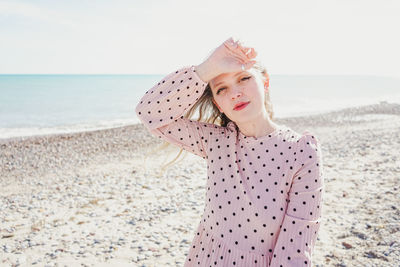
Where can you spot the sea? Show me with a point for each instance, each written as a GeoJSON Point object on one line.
{"type": "Point", "coordinates": [39, 104]}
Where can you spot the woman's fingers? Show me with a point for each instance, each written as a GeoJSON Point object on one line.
{"type": "Point", "coordinates": [243, 55]}
{"type": "Point", "coordinates": [252, 53]}
{"type": "Point", "coordinates": [236, 43]}
{"type": "Point", "coordinates": [231, 43]}
{"type": "Point", "coordinates": [231, 46]}
{"type": "Point", "coordinates": [249, 64]}
{"type": "Point", "coordinates": [238, 56]}
{"type": "Point", "coordinates": [248, 52]}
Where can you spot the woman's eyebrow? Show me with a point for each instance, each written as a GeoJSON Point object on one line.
{"type": "Point", "coordinates": [233, 76]}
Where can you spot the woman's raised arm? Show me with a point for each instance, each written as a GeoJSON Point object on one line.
{"type": "Point", "coordinates": [162, 107]}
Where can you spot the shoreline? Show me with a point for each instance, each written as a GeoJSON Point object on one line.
{"type": "Point", "coordinates": [383, 107]}
{"type": "Point", "coordinates": [89, 198]}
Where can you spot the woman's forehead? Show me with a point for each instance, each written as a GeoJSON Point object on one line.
{"type": "Point", "coordinates": [228, 76]}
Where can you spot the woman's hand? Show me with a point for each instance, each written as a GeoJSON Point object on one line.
{"type": "Point", "coordinates": [228, 57]}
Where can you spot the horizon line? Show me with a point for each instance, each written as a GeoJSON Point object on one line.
{"type": "Point", "coordinates": [153, 74]}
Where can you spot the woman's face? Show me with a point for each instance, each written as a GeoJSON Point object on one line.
{"type": "Point", "coordinates": [247, 86]}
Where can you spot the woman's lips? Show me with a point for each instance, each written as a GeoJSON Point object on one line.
{"type": "Point", "coordinates": [242, 106]}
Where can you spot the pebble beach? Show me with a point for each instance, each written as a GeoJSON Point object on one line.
{"type": "Point", "coordinates": [94, 199]}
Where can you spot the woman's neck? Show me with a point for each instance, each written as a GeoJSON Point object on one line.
{"type": "Point", "coordinates": [257, 128]}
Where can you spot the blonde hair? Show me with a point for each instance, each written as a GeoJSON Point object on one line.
{"type": "Point", "coordinates": [209, 113]}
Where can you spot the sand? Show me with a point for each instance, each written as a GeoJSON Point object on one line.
{"type": "Point", "coordinates": [90, 199]}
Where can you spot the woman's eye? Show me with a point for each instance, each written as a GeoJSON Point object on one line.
{"type": "Point", "coordinates": [220, 90]}
{"type": "Point", "coordinates": [246, 78]}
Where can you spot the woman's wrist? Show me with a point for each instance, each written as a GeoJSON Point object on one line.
{"type": "Point", "coordinates": [204, 72]}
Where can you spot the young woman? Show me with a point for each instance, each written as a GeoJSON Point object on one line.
{"type": "Point", "coordinates": [264, 184]}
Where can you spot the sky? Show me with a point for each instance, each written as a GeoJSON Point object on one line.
{"type": "Point", "coordinates": [292, 37]}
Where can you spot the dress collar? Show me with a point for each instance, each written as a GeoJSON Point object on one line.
{"type": "Point", "coordinates": [251, 139]}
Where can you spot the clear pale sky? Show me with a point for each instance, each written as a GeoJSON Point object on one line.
{"type": "Point", "coordinates": [157, 36]}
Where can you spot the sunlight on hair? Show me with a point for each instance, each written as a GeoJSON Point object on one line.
{"type": "Point", "coordinates": [204, 110]}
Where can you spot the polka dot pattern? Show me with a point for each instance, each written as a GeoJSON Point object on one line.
{"type": "Point", "coordinates": [263, 195]}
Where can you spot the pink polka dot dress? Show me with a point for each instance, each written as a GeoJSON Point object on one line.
{"type": "Point", "coordinates": [263, 195]}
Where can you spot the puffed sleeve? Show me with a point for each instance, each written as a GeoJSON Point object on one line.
{"type": "Point", "coordinates": [162, 107]}
{"type": "Point", "coordinates": [298, 233]}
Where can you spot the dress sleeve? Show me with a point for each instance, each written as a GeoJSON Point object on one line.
{"type": "Point", "coordinates": [298, 232]}
{"type": "Point", "coordinates": [162, 107]}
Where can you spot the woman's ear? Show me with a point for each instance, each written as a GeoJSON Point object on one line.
{"type": "Point", "coordinates": [213, 100]}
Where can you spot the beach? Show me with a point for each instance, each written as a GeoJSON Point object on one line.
{"type": "Point", "coordinates": [91, 199]}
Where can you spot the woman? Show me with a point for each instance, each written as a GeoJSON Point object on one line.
{"type": "Point", "coordinates": [265, 182]}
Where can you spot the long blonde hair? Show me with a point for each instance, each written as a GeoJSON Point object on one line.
{"type": "Point", "coordinates": [209, 113]}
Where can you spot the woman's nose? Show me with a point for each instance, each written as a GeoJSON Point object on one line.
{"type": "Point", "coordinates": [237, 93]}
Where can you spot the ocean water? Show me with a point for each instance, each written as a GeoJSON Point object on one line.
{"type": "Point", "coordinates": [46, 104]}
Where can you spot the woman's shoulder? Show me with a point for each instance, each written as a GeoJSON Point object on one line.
{"type": "Point", "coordinates": [305, 144]}
{"type": "Point", "coordinates": [297, 136]}
{"type": "Point", "coordinates": [305, 140]}
{"type": "Point", "coordinates": [309, 138]}
{"type": "Point", "coordinates": [309, 147]}
{"type": "Point", "coordinates": [288, 134]}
